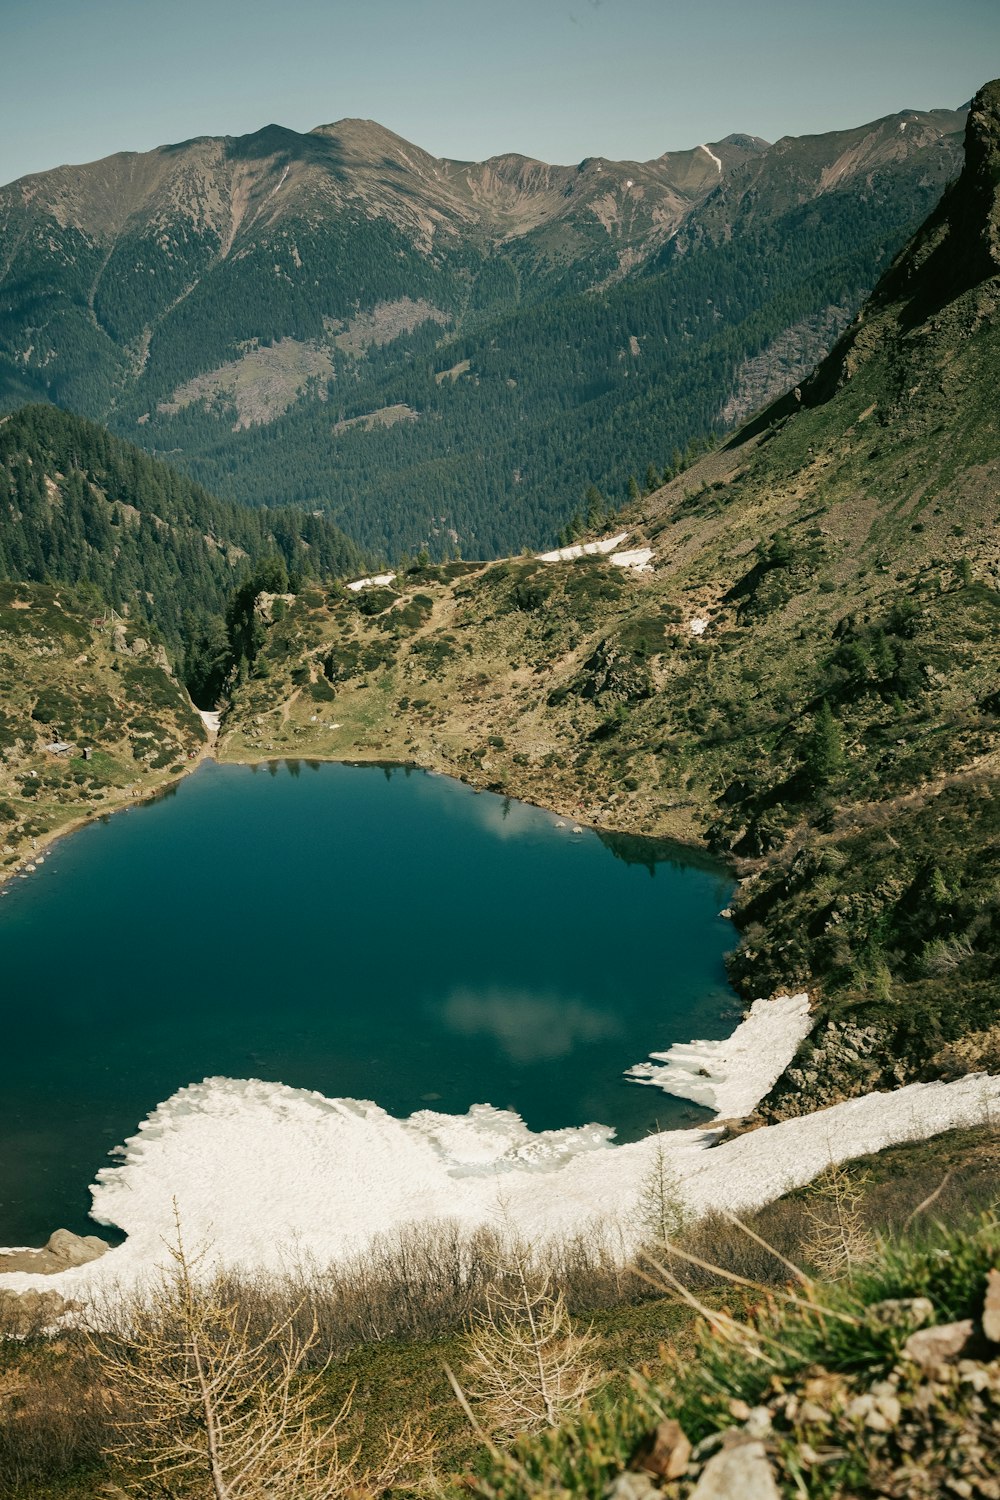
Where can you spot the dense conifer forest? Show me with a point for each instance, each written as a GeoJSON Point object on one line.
{"type": "Point", "coordinates": [80, 507]}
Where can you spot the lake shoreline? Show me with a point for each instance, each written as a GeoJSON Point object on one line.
{"type": "Point", "coordinates": [679, 832]}
{"type": "Point", "coordinates": [301, 822]}
{"type": "Point", "coordinates": [25, 860]}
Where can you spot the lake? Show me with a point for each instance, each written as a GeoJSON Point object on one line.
{"type": "Point", "coordinates": [365, 931]}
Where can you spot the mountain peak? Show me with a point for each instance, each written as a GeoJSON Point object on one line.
{"type": "Point", "coordinates": [364, 137]}
{"type": "Point", "coordinates": [959, 247]}
{"type": "Point", "coordinates": [953, 259]}
{"type": "Point", "coordinates": [751, 143]}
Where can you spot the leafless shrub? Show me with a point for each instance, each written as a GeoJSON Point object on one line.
{"type": "Point", "coordinates": [200, 1402]}
{"type": "Point", "coordinates": [840, 1240]}
{"type": "Point", "coordinates": [53, 1417]}
{"type": "Point", "coordinates": [526, 1364]}
{"type": "Point", "coordinates": [943, 955]}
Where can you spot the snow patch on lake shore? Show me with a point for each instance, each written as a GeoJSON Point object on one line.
{"type": "Point", "coordinates": [734, 1075]}
{"type": "Point", "coordinates": [273, 1178]}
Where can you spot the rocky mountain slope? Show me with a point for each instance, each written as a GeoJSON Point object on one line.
{"type": "Point", "coordinates": [794, 659]}
{"type": "Point", "coordinates": [262, 309]}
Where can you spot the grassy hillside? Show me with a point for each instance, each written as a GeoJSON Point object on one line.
{"type": "Point", "coordinates": [833, 727]}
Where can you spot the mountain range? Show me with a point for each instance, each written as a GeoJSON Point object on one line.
{"type": "Point", "coordinates": [437, 352]}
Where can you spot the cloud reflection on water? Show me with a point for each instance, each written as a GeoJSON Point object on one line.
{"type": "Point", "coordinates": [527, 1026]}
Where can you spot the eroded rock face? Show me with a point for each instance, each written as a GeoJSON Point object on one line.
{"type": "Point", "coordinates": [124, 643]}
{"type": "Point", "coordinates": [612, 673]}
{"type": "Point", "coordinates": [62, 1251]}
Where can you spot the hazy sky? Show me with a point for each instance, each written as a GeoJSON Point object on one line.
{"type": "Point", "coordinates": [557, 79]}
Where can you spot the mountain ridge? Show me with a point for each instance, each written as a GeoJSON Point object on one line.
{"type": "Point", "coordinates": [201, 298]}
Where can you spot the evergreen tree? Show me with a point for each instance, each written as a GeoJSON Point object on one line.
{"type": "Point", "coordinates": [823, 752]}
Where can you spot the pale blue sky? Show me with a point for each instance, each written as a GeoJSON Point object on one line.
{"type": "Point", "coordinates": [557, 79]}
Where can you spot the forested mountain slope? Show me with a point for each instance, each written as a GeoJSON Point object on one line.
{"type": "Point", "coordinates": [807, 677]}
{"type": "Point", "coordinates": [443, 352]}
{"type": "Point", "coordinates": [80, 507]}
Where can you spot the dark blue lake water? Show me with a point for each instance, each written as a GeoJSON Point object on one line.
{"type": "Point", "coordinates": [378, 934]}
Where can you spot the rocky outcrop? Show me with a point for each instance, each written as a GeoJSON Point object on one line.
{"type": "Point", "coordinates": [928, 1425]}
{"type": "Point", "coordinates": [62, 1251]}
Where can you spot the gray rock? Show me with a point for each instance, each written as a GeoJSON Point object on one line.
{"type": "Point", "coordinates": [740, 1473]}
{"type": "Point", "coordinates": [758, 1423]}
{"type": "Point", "coordinates": [76, 1249]}
{"type": "Point", "coordinates": [930, 1347]}
{"type": "Point", "coordinates": [631, 1486]}
{"type": "Point", "coordinates": [897, 1312]}
{"type": "Point", "coordinates": [63, 1250]}
{"type": "Point", "coordinates": [27, 1314]}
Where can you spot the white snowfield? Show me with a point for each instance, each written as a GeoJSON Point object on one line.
{"type": "Point", "coordinates": [732, 1076]}
{"type": "Point", "coordinates": [276, 1178]}
{"type": "Point", "coordinates": [379, 580]}
{"type": "Point", "coordinates": [638, 559]}
{"type": "Point", "coordinates": [584, 549]}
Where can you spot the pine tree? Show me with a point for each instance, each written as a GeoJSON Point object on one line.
{"type": "Point", "coordinates": [204, 1406]}
{"type": "Point", "coordinates": [823, 752]}
{"type": "Point", "coordinates": [662, 1210]}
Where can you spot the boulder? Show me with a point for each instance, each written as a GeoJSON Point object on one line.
{"type": "Point", "coordinates": [930, 1347]}
{"type": "Point", "coordinates": [664, 1451]}
{"type": "Point", "coordinates": [742, 1470]}
{"type": "Point", "coordinates": [63, 1250]}
{"type": "Point", "coordinates": [26, 1314]}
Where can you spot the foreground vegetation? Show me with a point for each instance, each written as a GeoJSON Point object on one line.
{"type": "Point", "coordinates": [378, 1334]}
